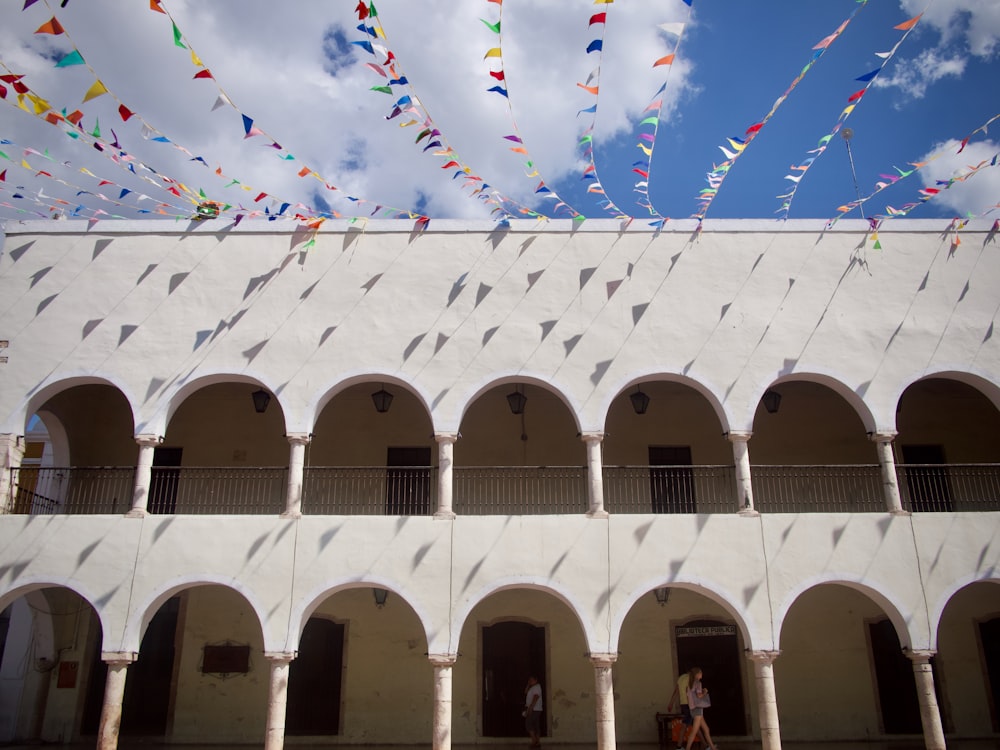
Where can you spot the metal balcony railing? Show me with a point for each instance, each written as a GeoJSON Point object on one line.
{"type": "Point", "coordinates": [369, 490]}
{"type": "Point", "coordinates": [502, 490]}
{"type": "Point", "coordinates": [855, 488]}
{"type": "Point", "coordinates": [670, 489]}
{"type": "Point", "coordinates": [520, 490]}
{"type": "Point", "coordinates": [77, 490]}
{"type": "Point", "coordinates": [949, 487]}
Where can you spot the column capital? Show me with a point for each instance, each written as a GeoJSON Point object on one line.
{"type": "Point", "coordinates": [442, 660]}
{"type": "Point", "coordinates": [592, 435]}
{"type": "Point", "coordinates": [299, 438]}
{"type": "Point", "coordinates": [602, 660]}
{"type": "Point", "coordinates": [763, 656]}
{"type": "Point", "coordinates": [920, 655]}
{"type": "Point", "coordinates": [119, 658]}
{"type": "Point", "coordinates": [149, 439]}
{"type": "Point", "coordinates": [882, 436]}
{"type": "Point", "coordinates": [280, 656]}
{"type": "Point", "coordinates": [447, 437]}
{"type": "Point", "coordinates": [739, 436]}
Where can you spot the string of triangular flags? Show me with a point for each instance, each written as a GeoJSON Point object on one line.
{"type": "Point", "coordinates": [926, 193]}
{"type": "Point", "coordinates": [649, 126]}
{"type": "Point", "coordinates": [389, 67]}
{"type": "Point", "coordinates": [737, 146]}
{"type": "Point", "coordinates": [495, 57]}
{"type": "Point", "coordinates": [252, 129]}
{"type": "Point", "coordinates": [586, 139]}
{"type": "Point", "coordinates": [852, 102]}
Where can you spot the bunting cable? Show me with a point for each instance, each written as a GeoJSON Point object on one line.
{"type": "Point", "coordinates": [412, 104]}
{"type": "Point", "coordinates": [149, 132]}
{"type": "Point", "coordinates": [78, 188]}
{"type": "Point", "coordinates": [252, 130]}
{"type": "Point", "coordinates": [889, 180]}
{"type": "Point", "coordinates": [719, 172]}
{"type": "Point", "coordinates": [496, 53]}
{"type": "Point", "coordinates": [70, 124]}
{"type": "Point", "coordinates": [852, 102]}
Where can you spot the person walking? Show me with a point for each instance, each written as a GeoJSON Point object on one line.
{"type": "Point", "coordinates": [533, 711]}
{"type": "Point", "coordinates": [698, 701]}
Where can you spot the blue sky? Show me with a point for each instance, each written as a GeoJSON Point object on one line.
{"type": "Point", "coordinates": [307, 88]}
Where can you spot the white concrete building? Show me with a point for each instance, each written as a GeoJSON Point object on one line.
{"type": "Point", "coordinates": [610, 454]}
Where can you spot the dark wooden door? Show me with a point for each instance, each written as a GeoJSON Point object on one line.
{"type": "Point", "coordinates": [671, 480]}
{"type": "Point", "coordinates": [989, 636]}
{"type": "Point", "coordinates": [512, 652]}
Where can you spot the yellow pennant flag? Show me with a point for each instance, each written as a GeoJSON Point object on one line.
{"type": "Point", "coordinates": [95, 91]}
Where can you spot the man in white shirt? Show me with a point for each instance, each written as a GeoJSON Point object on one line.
{"type": "Point", "coordinates": [533, 711]}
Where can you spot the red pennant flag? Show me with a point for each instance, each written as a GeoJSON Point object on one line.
{"type": "Point", "coordinates": [51, 26]}
{"type": "Point", "coordinates": [3, 176]}
{"type": "Point", "coordinates": [204, 73]}
{"type": "Point", "coordinates": [125, 112]}
{"type": "Point", "coordinates": [856, 95]}
{"type": "Point", "coordinates": [598, 18]}
{"type": "Point", "coordinates": [362, 10]}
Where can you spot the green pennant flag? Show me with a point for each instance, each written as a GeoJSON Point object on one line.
{"type": "Point", "coordinates": [177, 37]}
{"type": "Point", "coordinates": [97, 129]}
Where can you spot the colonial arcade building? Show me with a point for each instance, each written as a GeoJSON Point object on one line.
{"type": "Point", "coordinates": [257, 490]}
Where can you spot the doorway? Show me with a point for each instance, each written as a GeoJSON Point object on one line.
{"type": "Point", "coordinates": [714, 647]}
{"type": "Point", "coordinates": [897, 689]}
{"type": "Point", "coordinates": [927, 478]}
{"type": "Point", "coordinates": [989, 638]}
{"type": "Point", "coordinates": [166, 475]}
{"type": "Point", "coordinates": [408, 481]}
{"type": "Point", "coordinates": [314, 678]}
{"type": "Point", "coordinates": [512, 651]}
{"type": "Point", "coordinates": [671, 479]}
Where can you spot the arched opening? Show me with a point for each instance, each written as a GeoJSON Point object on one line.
{"type": "Point", "coordinates": [519, 455]}
{"type": "Point", "coordinates": [372, 453]}
{"type": "Point", "coordinates": [666, 453]}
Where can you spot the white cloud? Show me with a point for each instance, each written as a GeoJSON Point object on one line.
{"type": "Point", "coordinates": [914, 77]}
{"type": "Point", "coordinates": [975, 23]}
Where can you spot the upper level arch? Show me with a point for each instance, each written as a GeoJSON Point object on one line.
{"type": "Point", "coordinates": [625, 386]}
{"type": "Point", "coordinates": [474, 391]}
{"type": "Point", "coordinates": [312, 409]}
{"type": "Point", "coordinates": [851, 397]}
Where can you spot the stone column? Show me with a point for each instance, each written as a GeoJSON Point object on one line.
{"type": "Point", "coordinates": [441, 739]}
{"type": "Point", "coordinates": [767, 702]}
{"type": "Point", "coordinates": [446, 477]}
{"type": "Point", "coordinates": [604, 695]}
{"type": "Point", "coordinates": [741, 461]}
{"type": "Point", "coordinates": [930, 716]}
{"type": "Point", "coordinates": [296, 467]}
{"type": "Point", "coordinates": [887, 463]}
{"type": "Point", "coordinates": [595, 474]}
{"type": "Point", "coordinates": [277, 699]}
{"type": "Point", "coordinates": [11, 455]}
{"type": "Point", "coordinates": [143, 475]}
{"type": "Point", "coordinates": [114, 693]}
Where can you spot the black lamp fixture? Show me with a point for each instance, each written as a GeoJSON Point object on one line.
{"type": "Point", "coordinates": [382, 399]}
{"type": "Point", "coordinates": [640, 401]}
{"type": "Point", "coordinates": [261, 399]}
{"type": "Point", "coordinates": [772, 400]}
{"type": "Point", "coordinates": [662, 595]}
{"type": "Point", "coordinates": [516, 400]}
{"type": "Point", "coordinates": [380, 596]}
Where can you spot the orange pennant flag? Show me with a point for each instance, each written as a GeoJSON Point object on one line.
{"type": "Point", "coordinates": [907, 25]}
{"type": "Point", "coordinates": [51, 27]}
{"type": "Point", "coordinates": [155, 5]}
{"type": "Point", "coordinates": [665, 60]}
